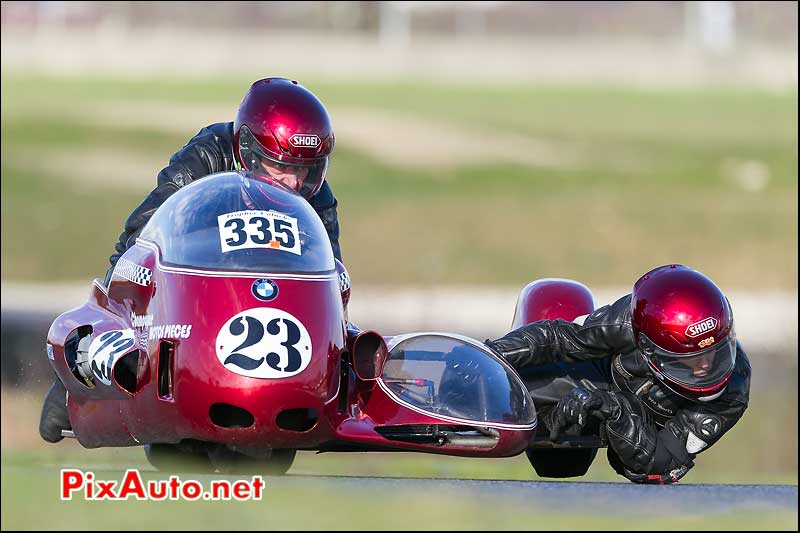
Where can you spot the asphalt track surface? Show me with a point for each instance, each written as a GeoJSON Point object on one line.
{"type": "Point", "coordinates": [645, 500]}
{"type": "Point", "coordinates": [563, 495]}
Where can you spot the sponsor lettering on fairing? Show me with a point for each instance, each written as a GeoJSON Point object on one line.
{"type": "Point", "coordinates": [171, 331]}
{"type": "Point", "coordinates": [141, 321]}
{"type": "Point", "coordinates": [85, 485]}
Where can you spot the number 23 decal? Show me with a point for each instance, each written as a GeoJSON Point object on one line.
{"type": "Point", "coordinates": [258, 229]}
{"type": "Point", "coordinates": [264, 343]}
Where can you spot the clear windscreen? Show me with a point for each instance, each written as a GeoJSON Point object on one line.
{"type": "Point", "coordinates": [240, 222]}
{"type": "Point", "coordinates": [448, 376]}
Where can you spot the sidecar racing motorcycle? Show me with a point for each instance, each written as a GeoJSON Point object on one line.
{"type": "Point", "coordinates": [221, 340]}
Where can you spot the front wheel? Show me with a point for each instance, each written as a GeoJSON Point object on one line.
{"type": "Point", "coordinates": [227, 461]}
{"type": "Point", "coordinates": [561, 462]}
{"type": "Point", "coordinates": [177, 458]}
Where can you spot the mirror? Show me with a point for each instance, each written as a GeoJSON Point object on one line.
{"type": "Point", "coordinates": [369, 355]}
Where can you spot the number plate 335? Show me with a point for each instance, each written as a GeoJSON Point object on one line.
{"type": "Point", "coordinates": [258, 229]}
{"type": "Point", "coordinates": [264, 343]}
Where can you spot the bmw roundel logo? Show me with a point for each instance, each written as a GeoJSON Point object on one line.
{"type": "Point", "coordinates": [265, 289]}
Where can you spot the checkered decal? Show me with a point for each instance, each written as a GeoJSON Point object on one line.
{"type": "Point", "coordinates": [143, 340]}
{"type": "Point", "coordinates": [344, 281]}
{"type": "Point", "coordinates": [133, 272]}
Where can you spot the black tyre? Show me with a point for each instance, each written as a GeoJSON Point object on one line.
{"type": "Point", "coordinates": [561, 462]}
{"type": "Point", "coordinates": [177, 458]}
{"type": "Point", "coordinates": [227, 461]}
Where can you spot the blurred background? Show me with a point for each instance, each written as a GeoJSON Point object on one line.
{"type": "Point", "coordinates": [480, 146]}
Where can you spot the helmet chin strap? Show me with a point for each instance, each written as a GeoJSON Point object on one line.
{"type": "Point", "coordinates": [667, 384]}
{"type": "Point", "coordinates": [713, 396]}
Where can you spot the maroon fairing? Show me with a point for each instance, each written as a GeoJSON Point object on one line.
{"type": "Point", "coordinates": [110, 416]}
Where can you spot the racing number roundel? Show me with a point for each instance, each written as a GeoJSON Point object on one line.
{"type": "Point", "coordinates": [264, 343]}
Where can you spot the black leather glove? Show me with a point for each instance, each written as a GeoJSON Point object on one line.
{"type": "Point", "coordinates": [641, 452]}
{"type": "Point", "coordinates": [673, 476]}
{"type": "Point", "coordinates": [577, 406]}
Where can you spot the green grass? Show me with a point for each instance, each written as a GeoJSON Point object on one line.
{"type": "Point", "coordinates": [57, 232]}
{"type": "Point", "coordinates": [651, 183]}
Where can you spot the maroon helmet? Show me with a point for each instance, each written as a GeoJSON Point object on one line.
{"type": "Point", "coordinates": [683, 326]}
{"type": "Point", "coordinates": [284, 131]}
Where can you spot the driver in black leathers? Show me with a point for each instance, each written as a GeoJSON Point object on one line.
{"type": "Point", "coordinates": [594, 373]}
{"type": "Point", "coordinates": [282, 130]}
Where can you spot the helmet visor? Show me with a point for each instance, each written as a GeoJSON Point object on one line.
{"type": "Point", "coordinates": [697, 370]}
{"type": "Point", "coordinates": [305, 178]}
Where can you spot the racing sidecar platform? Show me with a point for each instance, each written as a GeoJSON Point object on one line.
{"type": "Point", "coordinates": [222, 333]}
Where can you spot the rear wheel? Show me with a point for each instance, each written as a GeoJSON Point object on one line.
{"type": "Point", "coordinates": [561, 462]}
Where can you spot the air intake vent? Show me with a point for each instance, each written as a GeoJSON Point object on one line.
{"type": "Point", "coordinates": [80, 367]}
{"type": "Point", "coordinates": [229, 416]}
{"type": "Point", "coordinates": [166, 356]}
{"type": "Point", "coordinates": [125, 371]}
{"type": "Point", "coordinates": [297, 419]}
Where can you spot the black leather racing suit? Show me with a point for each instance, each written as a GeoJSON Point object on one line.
{"type": "Point", "coordinates": [208, 152]}
{"type": "Point", "coordinates": [658, 433]}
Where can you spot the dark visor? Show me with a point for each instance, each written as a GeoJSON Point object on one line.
{"type": "Point", "coordinates": [305, 178]}
{"type": "Point", "coordinates": [696, 370]}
